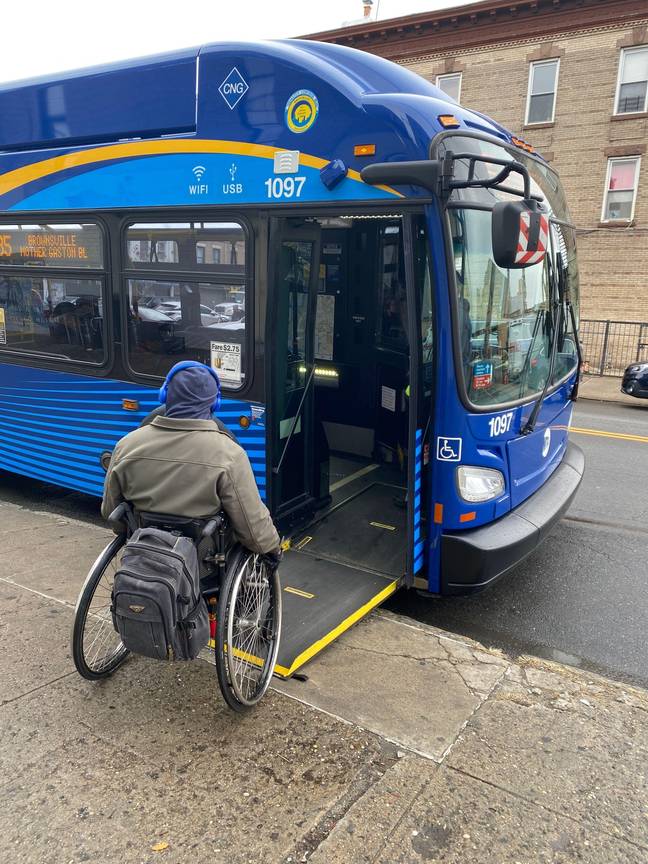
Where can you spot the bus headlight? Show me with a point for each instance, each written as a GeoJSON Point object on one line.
{"type": "Point", "coordinates": [479, 484]}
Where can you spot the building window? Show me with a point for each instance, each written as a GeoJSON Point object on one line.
{"type": "Point", "coordinates": [450, 84]}
{"type": "Point", "coordinates": [621, 189]}
{"type": "Point", "coordinates": [541, 97]}
{"type": "Point", "coordinates": [632, 89]}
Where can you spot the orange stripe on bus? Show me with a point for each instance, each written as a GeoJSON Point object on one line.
{"type": "Point", "coordinates": [438, 514]}
{"type": "Point", "coordinates": [468, 517]}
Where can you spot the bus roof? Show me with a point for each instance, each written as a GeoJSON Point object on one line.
{"type": "Point", "coordinates": [327, 102]}
{"type": "Point", "coordinates": [169, 93]}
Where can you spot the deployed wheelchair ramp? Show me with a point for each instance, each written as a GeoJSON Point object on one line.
{"type": "Point", "coordinates": [347, 562]}
{"type": "Point", "coordinates": [321, 599]}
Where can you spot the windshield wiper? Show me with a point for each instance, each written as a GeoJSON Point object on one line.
{"type": "Point", "coordinates": [579, 353]}
{"type": "Point", "coordinates": [524, 374]}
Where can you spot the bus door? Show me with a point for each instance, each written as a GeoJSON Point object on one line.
{"type": "Point", "coordinates": [420, 325]}
{"type": "Point", "coordinates": [294, 271]}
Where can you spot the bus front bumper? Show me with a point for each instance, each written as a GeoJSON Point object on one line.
{"type": "Point", "coordinates": [474, 559]}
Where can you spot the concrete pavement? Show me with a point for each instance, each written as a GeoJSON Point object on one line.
{"type": "Point", "coordinates": [605, 388]}
{"type": "Point", "coordinates": [404, 745]}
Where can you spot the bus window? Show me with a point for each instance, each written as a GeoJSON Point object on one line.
{"type": "Point", "coordinates": [392, 302]}
{"type": "Point", "coordinates": [62, 317]}
{"type": "Point", "coordinates": [200, 317]}
{"type": "Point", "coordinates": [46, 312]}
{"type": "Point", "coordinates": [218, 246]}
{"type": "Point", "coordinates": [567, 353]}
{"type": "Point", "coordinates": [503, 316]}
{"type": "Point", "coordinates": [424, 286]}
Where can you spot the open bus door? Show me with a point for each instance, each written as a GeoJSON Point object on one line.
{"type": "Point", "coordinates": [334, 573]}
{"type": "Point", "coordinates": [294, 268]}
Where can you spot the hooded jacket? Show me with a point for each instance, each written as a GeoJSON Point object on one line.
{"type": "Point", "coordinates": [191, 468]}
{"type": "Point", "coordinates": [185, 464]}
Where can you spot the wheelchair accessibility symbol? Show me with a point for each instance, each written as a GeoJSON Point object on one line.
{"type": "Point", "coordinates": [449, 449]}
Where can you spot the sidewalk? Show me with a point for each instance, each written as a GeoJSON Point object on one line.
{"type": "Point", "coordinates": [404, 745]}
{"type": "Point", "coordinates": [605, 389]}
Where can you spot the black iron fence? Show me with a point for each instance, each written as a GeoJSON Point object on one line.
{"type": "Point", "coordinates": [609, 346]}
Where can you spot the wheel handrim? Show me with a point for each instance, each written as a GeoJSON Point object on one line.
{"type": "Point", "coordinates": [101, 644]}
{"type": "Point", "coordinates": [253, 625]}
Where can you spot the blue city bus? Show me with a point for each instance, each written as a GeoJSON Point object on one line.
{"type": "Point", "coordinates": [323, 227]}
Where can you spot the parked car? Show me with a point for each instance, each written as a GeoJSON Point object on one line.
{"type": "Point", "coordinates": [230, 311]}
{"type": "Point", "coordinates": [154, 331]}
{"type": "Point", "coordinates": [635, 380]}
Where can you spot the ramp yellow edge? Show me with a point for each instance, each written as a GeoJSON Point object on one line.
{"type": "Point", "coordinates": [348, 622]}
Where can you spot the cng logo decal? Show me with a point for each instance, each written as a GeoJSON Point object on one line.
{"type": "Point", "coordinates": [301, 111]}
{"type": "Point", "coordinates": [233, 88]}
{"type": "Point", "coordinates": [546, 444]}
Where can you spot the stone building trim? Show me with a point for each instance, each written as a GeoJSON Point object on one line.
{"type": "Point", "coordinates": [546, 51]}
{"type": "Point", "coordinates": [624, 150]}
{"type": "Point", "coordinates": [639, 36]}
{"type": "Point", "coordinates": [639, 116]}
{"type": "Point", "coordinates": [483, 25]}
{"type": "Point", "coordinates": [516, 43]}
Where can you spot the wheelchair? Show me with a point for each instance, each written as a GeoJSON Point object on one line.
{"type": "Point", "coordinates": [241, 589]}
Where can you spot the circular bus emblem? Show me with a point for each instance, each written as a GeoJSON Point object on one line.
{"type": "Point", "coordinates": [301, 111]}
{"type": "Point", "coordinates": [547, 442]}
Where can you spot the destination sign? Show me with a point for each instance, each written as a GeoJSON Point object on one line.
{"type": "Point", "coordinates": [51, 245]}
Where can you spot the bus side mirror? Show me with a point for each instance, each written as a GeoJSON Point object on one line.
{"type": "Point", "coordinates": [520, 233]}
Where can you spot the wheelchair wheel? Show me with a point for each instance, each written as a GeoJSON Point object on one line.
{"type": "Point", "coordinates": [97, 648]}
{"type": "Point", "coordinates": [248, 629]}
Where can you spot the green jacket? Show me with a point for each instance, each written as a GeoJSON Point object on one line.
{"type": "Point", "coordinates": [189, 468]}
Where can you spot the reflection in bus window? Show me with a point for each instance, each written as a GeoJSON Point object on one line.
{"type": "Point", "coordinates": [201, 317]}
{"type": "Point", "coordinates": [423, 277]}
{"type": "Point", "coordinates": [187, 246]}
{"type": "Point", "coordinates": [392, 297]}
{"type": "Point", "coordinates": [172, 321]}
{"type": "Point", "coordinates": [60, 317]}
{"type": "Point", "coordinates": [503, 316]}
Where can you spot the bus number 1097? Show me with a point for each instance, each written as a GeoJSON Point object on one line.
{"type": "Point", "coordinates": [284, 187]}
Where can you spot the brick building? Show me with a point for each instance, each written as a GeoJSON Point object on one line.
{"type": "Point", "coordinates": [570, 77]}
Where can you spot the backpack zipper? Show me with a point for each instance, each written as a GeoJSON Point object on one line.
{"type": "Point", "coordinates": [139, 544]}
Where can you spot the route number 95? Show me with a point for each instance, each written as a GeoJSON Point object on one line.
{"type": "Point", "coordinates": [284, 187]}
{"type": "Point", "coordinates": [500, 424]}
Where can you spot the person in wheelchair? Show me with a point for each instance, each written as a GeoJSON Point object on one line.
{"type": "Point", "coordinates": [183, 464]}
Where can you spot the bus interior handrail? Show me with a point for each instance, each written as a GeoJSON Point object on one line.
{"type": "Point", "coordinates": [293, 426]}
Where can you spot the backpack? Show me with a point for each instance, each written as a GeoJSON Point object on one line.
{"type": "Point", "coordinates": [157, 607]}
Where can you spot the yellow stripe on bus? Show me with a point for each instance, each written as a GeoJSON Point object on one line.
{"type": "Point", "coordinates": [45, 168]}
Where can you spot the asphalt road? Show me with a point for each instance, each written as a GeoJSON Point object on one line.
{"type": "Point", "coordinates": [581, 598]}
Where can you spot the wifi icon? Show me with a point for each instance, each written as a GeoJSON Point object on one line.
{"type": "Point", "coordinates": [198, 172]}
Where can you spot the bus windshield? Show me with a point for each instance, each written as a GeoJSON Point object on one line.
{"type": "Point", "coordinates": [506, 318]}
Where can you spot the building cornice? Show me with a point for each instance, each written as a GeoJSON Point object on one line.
{"type": "Point", "coordinates": [451, 50]}
{"type": "Point", "coordinates": [482, 25]}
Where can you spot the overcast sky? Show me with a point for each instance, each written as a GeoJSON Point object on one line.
{"type": "Point", "coordinates": [41, 36]}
